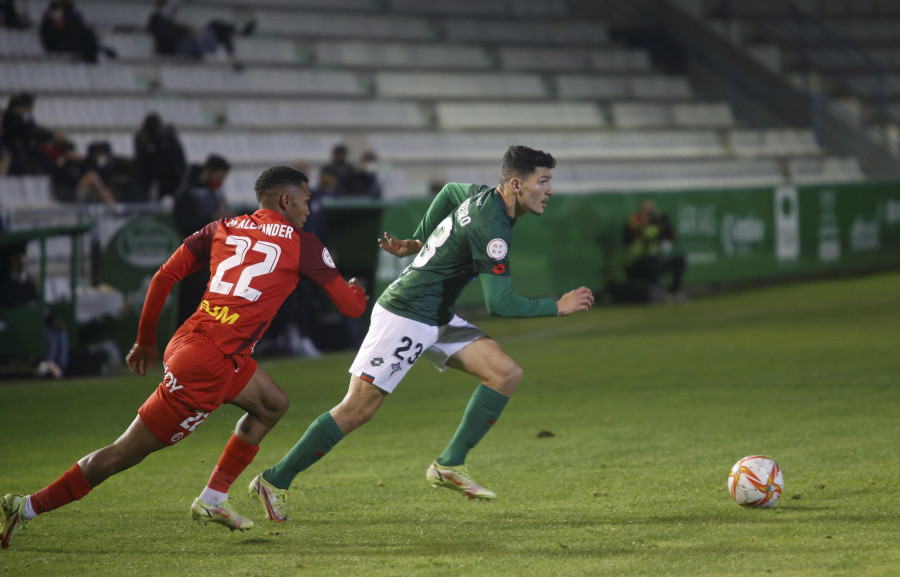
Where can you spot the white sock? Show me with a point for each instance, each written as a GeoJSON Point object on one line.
{"type": "Point", "coordinates": [212, 497]}
{"type": "Point", "coordinates": [28, 511]}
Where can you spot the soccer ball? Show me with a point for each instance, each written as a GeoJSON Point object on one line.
{"type": "Point", "coordinates": [755, 481]}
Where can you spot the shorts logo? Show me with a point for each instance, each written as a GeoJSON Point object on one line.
{"type": "Point", "coordinates": [377, 362]}
{"type": "Point", "coordinates": [177, 437]}
{"type": "Point", "coordinates": [170, 382]}
{"type": "Point", "coordinates": [497, 249]}
{"type": "Point", "coordinates": [394, 368]}
{"type": "Point", "coordinates": [326, 258]}
{"type": "Point", "coordinates": [499, 268]}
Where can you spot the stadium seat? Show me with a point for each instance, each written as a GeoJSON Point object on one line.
{"type": "Point", "coordinates": [702, 115]}
{"type": "Point", "coordinates": [825, 170]}
{"type": "Point", "coordinates": [458, 85]}
{"type": "Point", "coordinates": [564, 32]}
{"type": "Point", "coordinates": [399, 55]}
{"type": "Point", "coordinates": [324, 113]}
{"type": "Point", "coordinates": [453, 115]}
{"type": "Point", "coordinates": [769, 141]}
{"type": "Point", "coordinates": [19, 43]}
{"type": "Point", "coordinates": [341, 25]}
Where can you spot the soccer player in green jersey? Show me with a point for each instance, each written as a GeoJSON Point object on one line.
{"type": "Point", "coordinates": [466, 233]}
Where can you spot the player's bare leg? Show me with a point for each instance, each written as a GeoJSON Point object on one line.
{"type": "Point", "coordinates": [499, 375]}
{"type": "Point", "coordinates": [128, 450]}
{"type": "Point", "coordinates": [357, 407]}
{"type": "Point", "coordinates": [265, 403]}
{"type": "Point", "coordinates": [486, 360]}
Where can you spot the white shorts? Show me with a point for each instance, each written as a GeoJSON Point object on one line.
{"type": "Point", "coordinates": [394, 343]}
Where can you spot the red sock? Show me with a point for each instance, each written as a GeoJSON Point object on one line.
{"type": "Point", "coordinates": [70, 487]}
{"type": "Point", "coordinates": [235, 458]}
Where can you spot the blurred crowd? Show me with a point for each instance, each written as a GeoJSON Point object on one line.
{"type": "Point", "coordinates": [158, 168]}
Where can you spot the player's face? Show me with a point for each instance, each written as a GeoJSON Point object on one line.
{"type": "Point", "coordinates": [535, 191]}
{"type": "Point", "coordinates": [296, 199]}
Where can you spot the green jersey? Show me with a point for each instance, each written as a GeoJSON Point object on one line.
{"type": "Point", "coordinates": [467, 234]}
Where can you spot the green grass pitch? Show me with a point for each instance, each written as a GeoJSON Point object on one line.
{"type": "Point", "coordinates": [649, 407]}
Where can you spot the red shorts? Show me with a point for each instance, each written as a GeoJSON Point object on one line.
{"type": "Point", "coordinates": [198, 379]}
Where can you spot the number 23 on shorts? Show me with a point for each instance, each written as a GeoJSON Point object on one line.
{"type": "Point", "coordinates": [405, 347]}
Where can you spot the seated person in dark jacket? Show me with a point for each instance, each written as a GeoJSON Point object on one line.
{"type": "Point", "coordinates": [116, 171]}
{"type": "Point", "coordinates": [75, 180]}
{"type": "Point", "coordinates": [175, 38]}
{"type": "Point", "coordinates": [63, 29]}
{"type": "Point", "coordinates": [18, 289]}
{"type": "Point", "coordinates": [26, 140]}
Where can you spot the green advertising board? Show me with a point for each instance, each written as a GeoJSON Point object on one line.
{"type": "Point", "coordinates": [728, 235]}
{"type": "Point", "coordinates": [132, 252]}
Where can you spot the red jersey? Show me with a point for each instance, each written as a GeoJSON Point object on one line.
{"type": "Point", "coordinates": [255, 261]}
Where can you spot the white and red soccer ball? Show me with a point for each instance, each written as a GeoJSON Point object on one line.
{"type": "Point", "coordinates": [755, 481]}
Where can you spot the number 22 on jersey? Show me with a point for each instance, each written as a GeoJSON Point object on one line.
{"type": "Point", "coordinates": [242, 244]}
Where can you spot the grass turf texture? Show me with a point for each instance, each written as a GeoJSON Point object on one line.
{"type": "Point", "coordinates": [650, 407]}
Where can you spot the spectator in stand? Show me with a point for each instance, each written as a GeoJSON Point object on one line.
{"type": "Point", "coordinates": [343, 170]}
{"type": "Point", "coordinates": [316, 222]}
{"type": "Point", "coordinates": [74, 180]}
{"type": "Point", "coordinates": [5, 154]}
{"type": "Point", "coordinates": [201, 198]}
{"type": "Point", "coordinates": [365, 179]}
{"type": "Point", "coordinates": [117, 172]}
{"type": "Point", "coordinates": [18, 288]}
{"type": "Point", "coordinates": [11, 16]}
{"type": "Point", "coordinates": [648, 238]}
{"type": "Point", "coordinates": [63, 29]}
{"type": "Point", "coordinates": [159, 161]}
{"type": "Point", "coordinates": [30, 144]}
{"type": "Point", "coordinates": [174, 38]}
{"type": "Point", "coordinates": [199, 201]}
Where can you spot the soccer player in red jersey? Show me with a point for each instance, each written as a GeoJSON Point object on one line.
{"type": "Point", "coordinates": [255, 261]}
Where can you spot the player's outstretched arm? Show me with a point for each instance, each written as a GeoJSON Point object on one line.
{"type": "Point", "coordinates": [580, 299]}
{"type": "Point", "coordinates": [349, 296]}
{"type": "Point", "coordinates": [140, 358]}
{"type": "Point", "coordinates": [399, 247]}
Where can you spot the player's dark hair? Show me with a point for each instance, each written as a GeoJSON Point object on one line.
{"type": "Point", "coordinates": [521, 161]}
{"type": "Point", "coordinates": [276, 176]}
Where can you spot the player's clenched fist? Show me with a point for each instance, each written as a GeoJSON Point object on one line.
{"type": "Point", "coordinates": [580, 299]}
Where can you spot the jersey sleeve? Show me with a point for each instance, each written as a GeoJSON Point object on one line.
{"type": "Point", "coordinates": [446, 201]}
{"type": "Point", "coordinates": [192, 255]}
{"type": "Point", "coordinates": [489, 240]}
{"type": "Point", "coordinates": [349, 299]}
{"type": "Point", "coordinates": [502, 302]}
{"type": "Point", "coordinates": [317, 265]}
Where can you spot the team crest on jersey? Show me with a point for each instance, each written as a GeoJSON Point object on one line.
{"type": "Point", "coordinates": [394, 368]}
{"type": "Point", "coordinates": [326, 258]}
{"type": "Point", "coordinates": [497, 249]}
